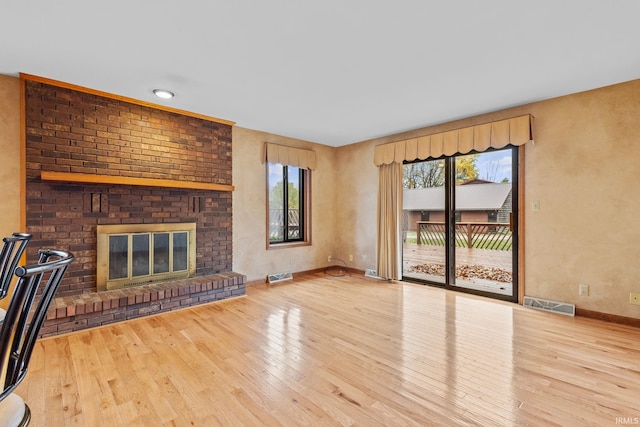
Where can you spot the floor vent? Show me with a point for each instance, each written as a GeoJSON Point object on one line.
{"type": "Point", "coordinates": [372, 274]}
{"type": "Point", "coordinates": [279, 277]}
{"type": "Point", "coordinates": [552, 306]}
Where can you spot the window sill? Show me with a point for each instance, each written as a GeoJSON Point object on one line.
{"type": "Point", "coordinates": [286, 245]}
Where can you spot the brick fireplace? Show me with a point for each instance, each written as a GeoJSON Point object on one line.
{"type": "Point", "coordinates": [95, 159]}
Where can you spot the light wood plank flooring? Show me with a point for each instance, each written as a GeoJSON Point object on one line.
{"type": "Point", "coordinates": [340, 351]}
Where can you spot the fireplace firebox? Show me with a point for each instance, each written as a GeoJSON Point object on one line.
{"type": "Point", "coordinates": [137, 254]}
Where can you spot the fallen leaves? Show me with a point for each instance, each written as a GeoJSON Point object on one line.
{"type": "Point", "coordinates": [466, 271]}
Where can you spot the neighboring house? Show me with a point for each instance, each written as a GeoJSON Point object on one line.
{"type": "Point", "coordinates": [476, 201]}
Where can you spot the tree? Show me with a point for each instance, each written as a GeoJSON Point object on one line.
{"type": "Point", "coordinates": [423, 174]}
{"type": "Point", "coordinates": [491, 171]}
{"type": "Point", "coordinates": [431, 173]}
{"type": "Point", "coordinates": [276, 196]}
{"type": "Point", "coordinates": [466, 168]}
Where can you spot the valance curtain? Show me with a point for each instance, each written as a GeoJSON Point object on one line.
{"type": "Point", "coordinates": [390, 157]}
{"type": "Point", "coordinates": [515, 131]}
{"type": "Point", "coordinates": [290, 156]}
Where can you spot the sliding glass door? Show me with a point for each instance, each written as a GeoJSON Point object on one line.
{"type": "Point", "coordinates": [460, 228]}
{"type": "Point", "coordinates": [424, 226]}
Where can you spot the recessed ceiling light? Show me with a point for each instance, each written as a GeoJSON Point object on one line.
{"type": "Point", "coordinates": [164, 94]}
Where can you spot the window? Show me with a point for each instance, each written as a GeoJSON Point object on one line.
{"type": "Point", "coordinates": [288, 210]}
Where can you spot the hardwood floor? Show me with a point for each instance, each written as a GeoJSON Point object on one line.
{"type": "Point", "coordinates": [340, 351]}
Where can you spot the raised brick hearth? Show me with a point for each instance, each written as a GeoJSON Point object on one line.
{"type": "Point", "coordinates": [87, 310]}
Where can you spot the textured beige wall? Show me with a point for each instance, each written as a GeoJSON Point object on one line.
{"type": "Point", "coordinates": [583, 171]}
{"type": "Point", "coordinates": [10, 149]}
{"type": "Point", "coordinates": [250, 256]}
{"type": "Point", "coordinates": [356, 204]}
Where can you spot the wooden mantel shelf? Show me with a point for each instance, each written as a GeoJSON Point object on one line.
{"type": "Point", "coordinates": [124, 180]}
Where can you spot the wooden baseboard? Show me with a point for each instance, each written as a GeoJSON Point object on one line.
{"type": "Point", "coordinates": [298, 274]}
{"type": "Point", "coordinates": [338, 268]}
{"type": "Point", "coordinates": [613, 318]}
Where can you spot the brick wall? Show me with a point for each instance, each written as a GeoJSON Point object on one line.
{"type": "Point", "coordinates": [73, 131]}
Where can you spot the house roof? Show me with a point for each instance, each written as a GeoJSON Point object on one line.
{"type": "Point", "coordinates": [477, 197]}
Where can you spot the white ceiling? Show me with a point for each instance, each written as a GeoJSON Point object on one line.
{"type": "Point", "coordinates": [333, 71]}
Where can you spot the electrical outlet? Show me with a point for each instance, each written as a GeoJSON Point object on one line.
{"type": "Point", "coordinates": [634, 298]}
{"type": "Point", "coordinates": [583, 290]}
{"type": "Point", "coordinates": [350, 257]}
{"type": "Point", "coordinates": [329, 258]}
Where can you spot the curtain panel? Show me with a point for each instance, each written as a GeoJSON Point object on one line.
{"type": "Point", "coordinates": [290, 156]}
{"type": "Point", "coordinates": [389, 214]}
{"type": "Point", "coordinates": [515, 131]}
